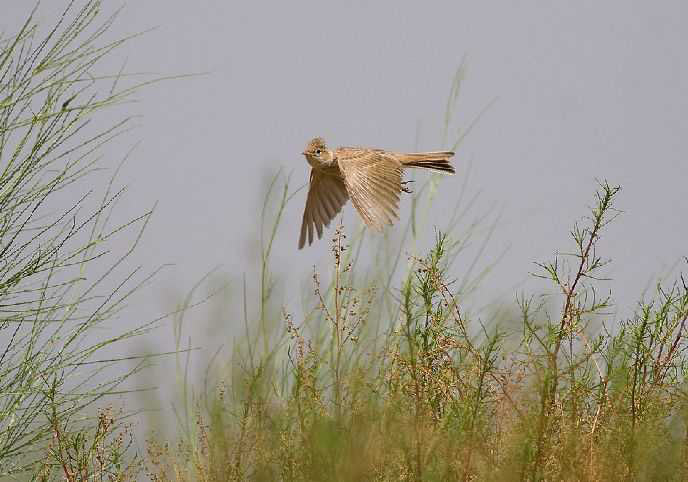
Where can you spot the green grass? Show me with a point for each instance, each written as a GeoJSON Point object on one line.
{"type": "Point", "coordinates": [60, 281]}
{"type": "Point", "coordinates": [383, 374]}
{"type": "Point", "coordinates": [375, 383]}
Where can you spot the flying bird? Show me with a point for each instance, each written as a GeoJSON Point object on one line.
{"type": "Point", "coordinates": [371, 178]}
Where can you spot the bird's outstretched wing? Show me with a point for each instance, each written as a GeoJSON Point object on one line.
{"type": "Point", "coordinates": [326, 197]}
{"type": "Point", "coordinates": [373, 180]}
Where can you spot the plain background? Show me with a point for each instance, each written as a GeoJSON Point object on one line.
{"type": "Point", "coordinates": [581, 90]}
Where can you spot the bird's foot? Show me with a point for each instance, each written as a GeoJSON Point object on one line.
{"type": "Point", "coordinates": [405, 188]}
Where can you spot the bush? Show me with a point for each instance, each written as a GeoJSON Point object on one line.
{"type": "Point", "coordinates": [440, 396]}
{"type": "Point", "coordinates": [59, 279]}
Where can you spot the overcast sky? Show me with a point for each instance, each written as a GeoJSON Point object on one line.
{"type": "Point", "coordinates": [581, 90]}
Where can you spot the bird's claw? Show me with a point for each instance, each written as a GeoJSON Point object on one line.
{"type": "Point", "coordinates": [406, 189]}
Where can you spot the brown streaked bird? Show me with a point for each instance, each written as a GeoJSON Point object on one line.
{"type": "Point", "coordinates": [371, 178]}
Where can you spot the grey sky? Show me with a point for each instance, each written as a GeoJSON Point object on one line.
{"type": "Point", "coordinates": [584, 89]}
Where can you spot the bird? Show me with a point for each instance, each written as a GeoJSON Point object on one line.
{"type": "Point", "coordinates": [371, 178]}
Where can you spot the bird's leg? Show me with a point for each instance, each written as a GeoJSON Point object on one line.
{"type": "Point", "coordinates": [406, 189]}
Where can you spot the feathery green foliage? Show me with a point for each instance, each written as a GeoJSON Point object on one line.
{"type": "Point", "coordinates": [59, 279]}
{"type": "Point", "coordinates": [440, 396]}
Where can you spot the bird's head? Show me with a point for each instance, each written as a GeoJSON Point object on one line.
{"type": "Point", "coordinates": [316, 152]}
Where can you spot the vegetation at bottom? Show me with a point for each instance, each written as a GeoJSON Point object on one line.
{"type": "Point", "coordinates": [403, 384]}
{"type": "Point", "coordinates": [384, 373]}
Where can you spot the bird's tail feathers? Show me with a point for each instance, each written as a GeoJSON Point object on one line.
{"type": "Point", "coordinates": [434, 161]}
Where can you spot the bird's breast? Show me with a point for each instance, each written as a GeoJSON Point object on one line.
{"type": "Point", "coordinates": [331, 168]}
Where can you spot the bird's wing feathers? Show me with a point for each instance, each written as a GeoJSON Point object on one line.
{"type": "Point", "coordinates": [373, 180]}
{"type": "Point", "coordinates": [326, 196]}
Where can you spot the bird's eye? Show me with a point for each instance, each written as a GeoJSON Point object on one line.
{"type": "Point", "coordinates": [317, 151]}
